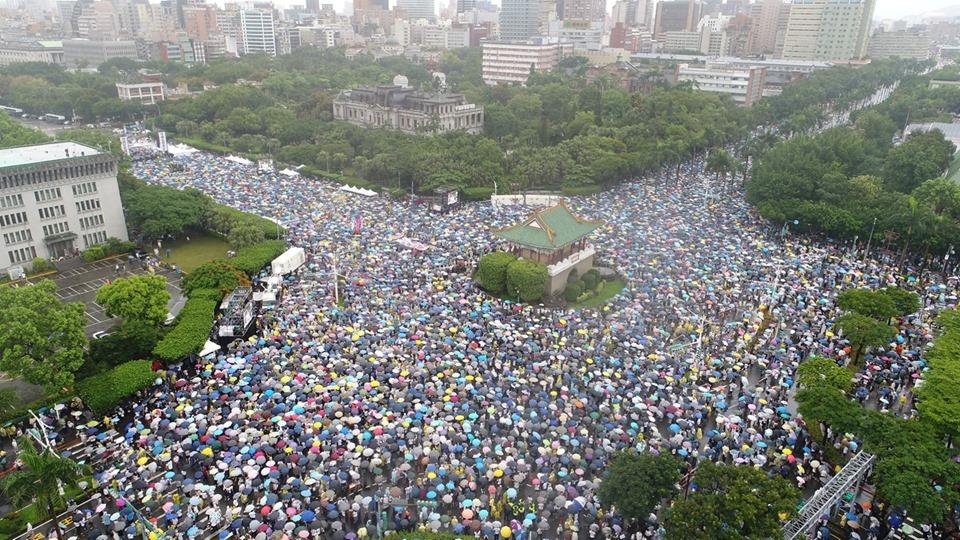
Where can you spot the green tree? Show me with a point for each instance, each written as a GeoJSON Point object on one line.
{"type": "Point", "coordinates": [40, 480]}
{"type": "Point", "coordinates": [527, 280]}
{"type": "Point", "coordinates": [218, 275]}
{"type": "Point", "coordinates": [131, 341]}
{"type": "Point", "coordinates": [141, 299]}
{"type": "Point", "coordinates": [492, 271]}
{"type": "Point", "coordinates": [740, 503]}
{"type": "Point", "coordinates": [863, 332]}
{"type": "Point", "coordinates": [636, 483]}
{"type": "Point", "coordinates": [904, 301]}
{"type": "Point", "coordinates": [243, 235]}
{"type": "Point", "coordinates": [873, 304]}
{"type": "Point", "coordinates": [41, 340]}
{"type": "Point", "coordinates": [815, 371]}
{"type": "Point", "coordinates": [922, 157]}
{"type": "Point", "coordinates": [157, 211]}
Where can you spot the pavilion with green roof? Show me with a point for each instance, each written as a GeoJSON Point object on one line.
{"type": "Point", "coordinates": [556, 238]}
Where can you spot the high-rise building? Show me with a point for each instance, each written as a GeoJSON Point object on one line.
{"type": "Point", "coordinates": [828, 29]}
{"type": "Point", "coordinates": [520, 19]}
{"type": "Point", "coordinates": [910, 43]}
{"type": "Point", "coordinates": [257, 32]}
{"type": "Point", "coordinates": [591, 10]}
{"type": "Point", "coordinates": [677, 16]}
{"type": "Point", "coordinates": [466, 6]}
{"type": "Point", "coordinates": [313, 6]}
{"type": "Point", "coordinates": [199, 22]}
{"type": "Point", "coordinates": [416, 9]}
{"type": "Point", "coordinates": [764, 18]}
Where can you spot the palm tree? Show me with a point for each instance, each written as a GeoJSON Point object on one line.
{"type": "Point", "coordinates": [41, 479]}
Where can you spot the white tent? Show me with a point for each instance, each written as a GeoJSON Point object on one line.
{"type": "Point", "coordinates": [359, 191]}
{"type": "Point", "coordinates": [208, 349]}
{"type": "Point", "coordinates": [240, 160]}
{"type": "Point", "coordinates": [289, 172]}
{"type": "Point", "coordinates": [180, 149]}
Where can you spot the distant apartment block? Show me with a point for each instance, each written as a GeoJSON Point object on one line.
{"type": "Point", "coordinates": [92, 53]}
{"type": "Point", "coordinates": [407, 110]}
{"type": "Point", "coordinates": [836, 30]}
{"type": "Point", "coordinates": [911, 43]}
{"type": "Point", "coordinates": [743, 85]}
{"type": "Point", "coordinates": [513, 62]}
{"type": "Point", "coordinates": [258, 34]}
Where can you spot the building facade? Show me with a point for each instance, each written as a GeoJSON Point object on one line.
{"type": "Point", "coordinates": [512, 62]}
{"type": "Point", "coordinates": [258, 33]}
{"type": "Point", "coordinates": [45, 52]}
{"type": "Point", "coordinates": [837, 30]}
{"type": "Point", "coordinates": [417, 9]}
{"type": "Point", "coordinates": [677, 16]}
{"type": "Point", "coordinates": [92, 53]}
{"type": "Point", "coordinates": [147, 93]}
{"type": "Point", "coordinates": [407, 110]}
{"type": "Point", "coordinates": [56, 199]}
{"type": "Point", "coordinates": [520, 19]}
{"type": "Point", "coordinates": [910, 43]}
{"type": "Point", "coordinates": [744, 86]}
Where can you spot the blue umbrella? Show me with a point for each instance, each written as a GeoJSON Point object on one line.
{"type": "Point", "coordinates": [675, 428]}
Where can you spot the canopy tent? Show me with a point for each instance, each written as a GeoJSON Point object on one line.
{"type": "Point", "coordinates": [359, 191]}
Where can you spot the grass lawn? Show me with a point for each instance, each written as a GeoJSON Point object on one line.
{"type": "Point", "coordinates": [608, 291]}
{"type": "Point", "coordinates": [200, 249]}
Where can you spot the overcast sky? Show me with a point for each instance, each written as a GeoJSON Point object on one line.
{"type": "Point", "coordinates": [886, 9]}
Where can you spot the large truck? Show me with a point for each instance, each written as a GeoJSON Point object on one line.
{"type": "Point", "coordinates": [288, 261]}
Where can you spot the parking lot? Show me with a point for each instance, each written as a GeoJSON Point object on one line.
{"type": "Point", "coordinates": [80, 285]}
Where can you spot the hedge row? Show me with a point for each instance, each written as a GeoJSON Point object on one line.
{"type": "Point", "coordinates": [102, 392]}
{"type": "Point", "coordinates": [477, 193]}
{"type": "Point", "coordinates": [252, 259]}
{"type": "Point", "coordinates": [201, 144]}
{"type": "Point", "coordinates": [586, 189]}
{"type": "Point", "coordinates": [191, 331]}
{"type": "Point", "coordinates": [113, 246]}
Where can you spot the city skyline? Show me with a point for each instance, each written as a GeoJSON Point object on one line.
{"type": "Point", "coordinates": [886, 9]}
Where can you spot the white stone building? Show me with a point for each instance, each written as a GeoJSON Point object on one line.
{"type": "Point", "coordinates": [56, 199]}
{"type": "Point", "coordinates": [407, 110]}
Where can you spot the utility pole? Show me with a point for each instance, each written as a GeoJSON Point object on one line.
{"type": "Point", "coordinates": [866, 252]}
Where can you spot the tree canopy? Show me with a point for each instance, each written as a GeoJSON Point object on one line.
{"type": "Point", "coordinates": [636, 483]}
{"type": "Point", "coordinates": [732, 503]}
{"type": "Point", "coordinates": [137, 299]}
{"type": "Point", "coordinates": [41, 339]}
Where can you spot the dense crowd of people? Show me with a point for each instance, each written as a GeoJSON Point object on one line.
{"type": "Point", "coordinates": [419, 402]}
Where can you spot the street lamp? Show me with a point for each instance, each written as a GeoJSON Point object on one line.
{"type": "Point", "coordinates": [866, 252]}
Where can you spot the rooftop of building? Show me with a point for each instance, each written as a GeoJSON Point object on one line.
{"type": "Point", "coordinates": [549, 228]}
{"type": "Point", "coordinates": [42, 153]}
{"type": "Point", "coordinates": [397, 95]}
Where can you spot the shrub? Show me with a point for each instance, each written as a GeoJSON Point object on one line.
{"type": "Point", "coordinates": [477, 193]}
{"type": "Point", "coordinates": [590, 280]}
{"type": "Point", "coordinates": [528, 279]}
{"type": "Point", "coordinates": [492, 271]}
{"type": "Point", "coordinates": [252, 259]}
{"type": "Point", "coordinates": [115, 246]}
{"type": "Point", "coordinates": [572, 291]}
{"type": "Point", "coordinates": [340, 178]}
{"type": "Point", "coordinates": [201, 144]}
{"type": "Point", "coordinates": [397, 193]}
{"type": "Point", "coordinates": [101, 393]}
{"type": "Point", "coordinates": [207, 294]}
{"type": "Point", "coordinates": [585, 189]}
{"type": "Point", "coordinates": [39, 264]}
{"type": "Point", "coordinates": [222, 219]}
{"type": "Point", "coordinates": [132, 340]}
{"type": "Point", "coordinates": [94, 253]}
{"type": "Point", "coordinates": [191, 331]}
{"type": "Point", "coordinates": [219, 274]}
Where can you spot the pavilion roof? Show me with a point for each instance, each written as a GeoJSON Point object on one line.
{"type": "Point", "coordinates": [549, 228]}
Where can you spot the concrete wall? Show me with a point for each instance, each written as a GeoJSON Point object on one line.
{"type": "Point", "coordinates": [557, 283]}
{"type": "Point", "coordinates": [538, 199]}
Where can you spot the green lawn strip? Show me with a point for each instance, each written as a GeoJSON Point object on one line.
{"type": "Point", "coordinates": [200, 249]}
{"type": "Point", "coordinates": [607, 291]}
{"type": "Point", "coordinates": [15, 523]}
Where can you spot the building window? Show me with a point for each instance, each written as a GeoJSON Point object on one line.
{"type": "Point", "coordinates": [45, 195]}
{"type": "Point", "coordinates": [9, 220]}
{"type": "Point", "coordinates": [18, 237]}
{"type": "Point", "coordinates": [50, 212]}
{"type": "Point", "coordinates": [22, 255]}
{"type": "Point", "coordinates": [11, 201]}
{"type": "Point", "coordinates": [84, 188]}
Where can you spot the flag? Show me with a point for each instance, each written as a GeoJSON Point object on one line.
{"type": "Point", "coordinates": [357, 224]}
